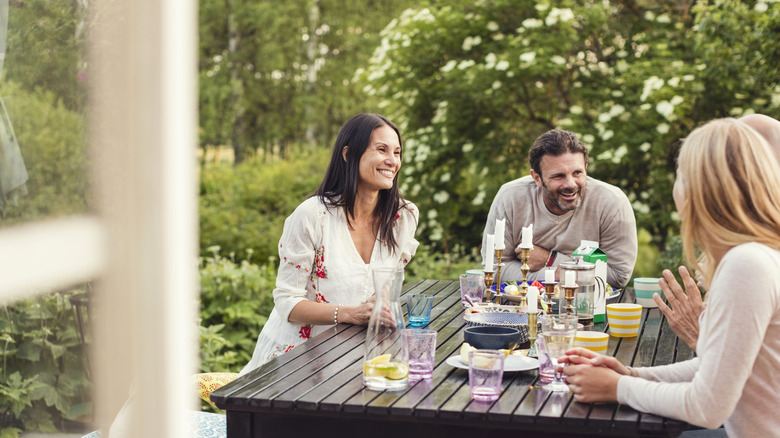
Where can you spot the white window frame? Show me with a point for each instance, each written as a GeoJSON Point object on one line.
{"type": "Point", "coordinates": [140, 246]}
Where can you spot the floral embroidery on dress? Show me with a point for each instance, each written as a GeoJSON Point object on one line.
{"type": "Point", "coordinates": [395, 220]}
{"type": "Point", "coordinates": [320, 298]}
{"type": "Point", "coordinates": [305, 331]}
{"type": "Point", "coordinates": [319, 263]}
{"type": "Point", "coordinates": [281, 349]}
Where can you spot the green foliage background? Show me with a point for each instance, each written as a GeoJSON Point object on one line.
{"type": "Point", "coordinates": [471, 83]}
{"type": "Point", "coordinates": [43, 382]}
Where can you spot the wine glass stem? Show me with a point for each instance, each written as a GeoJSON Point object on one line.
{"type": "Point", "coordinates": [558, 376]}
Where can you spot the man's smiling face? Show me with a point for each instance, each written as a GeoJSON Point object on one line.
{"type": "Point", "coordinates": [562, 180]}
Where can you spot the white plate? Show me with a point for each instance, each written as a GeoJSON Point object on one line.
{"type": "Point", "coordinates": [511, 363]}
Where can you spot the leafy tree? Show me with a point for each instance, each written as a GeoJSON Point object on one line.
{"type": "Point", "coordinates": [276, 74]}
{"type": "Point", "coordinates": [52, 140]}
{"type": "Point", "coordinates": [45, 48]}
{"type": "Point", "coordinates": [474, 83]}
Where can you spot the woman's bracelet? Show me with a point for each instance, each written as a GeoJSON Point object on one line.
{"type": "Point", "coordinates": [336, 315]}
{"type": "Point", "coordinates": [632, 372]}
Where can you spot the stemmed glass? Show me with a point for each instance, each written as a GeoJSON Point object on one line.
{"type": "Point", "coordinates": [558, 332]}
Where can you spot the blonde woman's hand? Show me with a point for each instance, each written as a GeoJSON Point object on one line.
{"type": "Point", "coordinates": [582, 356]}
{"type": "Point", "coordinates": [686, 305]}
{"type": "Point", "coordinates": [592, 384]}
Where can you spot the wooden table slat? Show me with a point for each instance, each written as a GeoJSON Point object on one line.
{"type": "Point", "coordinates": [506, 406]}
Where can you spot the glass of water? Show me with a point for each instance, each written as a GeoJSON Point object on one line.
{"type": "Point", "coordinates": [558, 332]}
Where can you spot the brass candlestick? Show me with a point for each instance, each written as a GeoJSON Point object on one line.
{"type": "Point", "coordinates": [499, 264]}
{"type": "Point", "coordinates": [569, 294]}
{"type": "Point", "coordinates": [549, 291]}
{"type": "Point", "coordinates": [532, 333]}
{"type": "Point", "coordinates": [525, 254]}
{"type": "Point", "coordinates": [488, 283]}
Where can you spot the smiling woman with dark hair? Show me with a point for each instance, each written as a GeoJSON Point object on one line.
{"type": "Point", "coordinates": [355, 222]}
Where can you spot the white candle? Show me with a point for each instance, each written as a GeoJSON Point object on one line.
{"type": "Point", "coordinates": [570, 278]}
{"type": "Point", "coordinates": [533, 293]}
{"type": "Point", "coordinates": [490, 248]}
{"type": "Point", "coordinates": [500, 226]}
{"type": "Point", "coordinates": [527, 237]}
{"type": "Point", "coordinates": [549, 275]}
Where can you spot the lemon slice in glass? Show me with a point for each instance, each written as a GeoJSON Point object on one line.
{"type": "Point", "coordinates": [399, 371]}
{"type": "Point", "coordinates": [384, 358]}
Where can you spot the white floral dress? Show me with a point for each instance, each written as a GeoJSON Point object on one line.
{"type": "Point", "coordinates": [319, 262]}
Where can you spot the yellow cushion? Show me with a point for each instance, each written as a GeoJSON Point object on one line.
{"type": "Point", "coordinates": [207, 382]}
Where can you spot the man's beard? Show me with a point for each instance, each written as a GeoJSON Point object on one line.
{"type": "Point", "coordinates": [556, 199]}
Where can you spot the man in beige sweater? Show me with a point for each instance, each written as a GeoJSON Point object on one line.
{"type": "Point", "coordinates": [565, 207]}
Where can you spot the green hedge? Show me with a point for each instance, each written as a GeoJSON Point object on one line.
{"type": "Point", "coordinates": [236, 299]}
{"type": "Point", "coordinates": [244, 207]}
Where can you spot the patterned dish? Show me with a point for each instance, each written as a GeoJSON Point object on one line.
{"type": "Point", "coordinates": [492, 308]}
{"type": "Point", "coordinates": [501, 319]}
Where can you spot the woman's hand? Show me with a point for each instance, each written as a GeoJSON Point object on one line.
{"type": "Point", "coordinates": [359, 314]}
{"type": "Point", "coordinates": [592, 377]}
{"type": "Point", "coordinates": [582, 356]}
{"type": "Point", "coordinates": [683, 316]}
{"type": "Point", "coordinates": [592, 384]}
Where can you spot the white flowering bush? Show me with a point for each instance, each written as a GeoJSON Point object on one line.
{"type": "Point", "coordinates": [472, 84]}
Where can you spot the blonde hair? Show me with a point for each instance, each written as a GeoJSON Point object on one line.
{"type": "Point", "coordinates": [731, 191]}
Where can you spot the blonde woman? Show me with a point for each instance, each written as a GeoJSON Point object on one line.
{"type": "Point", "coordinates": [728, 195]}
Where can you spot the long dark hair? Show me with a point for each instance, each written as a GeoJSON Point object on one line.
{"type": "Point", "coordinates": [339, 187]}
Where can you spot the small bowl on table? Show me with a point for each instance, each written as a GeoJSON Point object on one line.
{"type": "Point", "coordinates": [492, 337]}
{"type": "Point", "coordinates": [512, 320]}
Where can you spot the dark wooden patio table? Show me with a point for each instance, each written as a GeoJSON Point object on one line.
{"type": "Point", "coordinates": [316, 389]}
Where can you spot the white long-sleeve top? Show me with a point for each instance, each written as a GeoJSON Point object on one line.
{"type": "Point", "coordinates": [735, 380]}
{"type": "Point", "coordinates": [318, 261]}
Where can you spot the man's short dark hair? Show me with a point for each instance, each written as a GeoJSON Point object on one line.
{"type": "Point", "coordinates": [555, 142]}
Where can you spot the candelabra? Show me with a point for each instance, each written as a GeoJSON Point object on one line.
{"type": "Point", "coordinates": [549, 291]}
{"type": "Point", "coordinates": [499, 264]}
{"type": "Point", "coordinates": [569, 294]}
{"type": "Point", "coordinates": [488, 284]}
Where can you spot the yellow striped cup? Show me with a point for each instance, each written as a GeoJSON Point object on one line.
{"type": "Point", "coordinates": [624, 319]}
{"type": "Point", "coordinates": [593, 341]}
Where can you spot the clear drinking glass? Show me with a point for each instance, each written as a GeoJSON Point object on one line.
{"type": "Point", "coordinates": [472, 288]}
{"type": "Point", "coordinates": [558, 332]}
{"type": "Point", "coordinates": [486, 369]}
{"type": "Point", "coordinates": [386, 359]}
{"type": "Point", "coordinates": [421, 345]}
{"type": "Point", "coordinates": [546, 369]}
